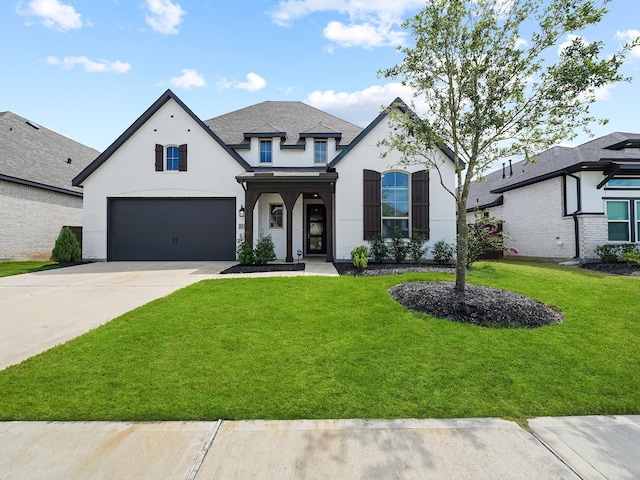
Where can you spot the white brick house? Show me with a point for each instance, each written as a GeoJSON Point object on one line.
{"type": "Point", "coordinates": [36, 195]}
{"type": "Point", "coordinates": [174, 187]}
{"type": "Point", "coordinates": [569, 200]}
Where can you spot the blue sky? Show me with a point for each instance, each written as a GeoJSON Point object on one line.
{"type": "Point", "coordinates": [88, 68]}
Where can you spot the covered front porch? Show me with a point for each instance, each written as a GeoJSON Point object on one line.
{"type": "Point", "coordinates": [309, 225]}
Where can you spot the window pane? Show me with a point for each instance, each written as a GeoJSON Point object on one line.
{"type": "Point", "coordinates": [276, 216]}
{"type": "Point", "coordinates": [618, 210]}
{"type": "Point", "coordinates": [173, 158]}
{"type": "Point", "coordinates": [389, 227]}
{"type": "Point", "coordinates": [623, 182]}
{"type": "Point", "coordinates": [395, 194]}
{"type": "Point", "coordinates": [618, 232]}
{"type": "Point", "coordinates": [265, 151]}
{"type": "Point", "coordinates": [320, 151]}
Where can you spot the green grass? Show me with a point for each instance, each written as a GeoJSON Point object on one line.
{"type": "Point", "coordinates": [16, 268]}
{"type": "Point", "coordinates": [305, 347]}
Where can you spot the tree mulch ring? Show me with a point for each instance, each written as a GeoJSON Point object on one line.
{"type": "Point", "coordinates": [376, 269]}
{"type": "Point", "coordinates": [620, 268]}
{"type": "Point", "coordinates": [483, 306]}
{"type": "Point", "coordinates": [269, 267]}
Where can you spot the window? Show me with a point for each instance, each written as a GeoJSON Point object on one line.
{"type": "Point", "coordinates": [637, 220]}
{"type": "Point", "coordinates": [320, 152]}
{"type": "Point", "coordinates": [395, 204]}
{"type": "Point", "coordinates": [173, 158]}
{"type": "Point", "coordinates": [275, 215]}
{"type": "Point", "coordinates": [624, 183]}
{"type": "Point", "coordinates": [265, 151]}
{"type": "Point", "coordinates": [618, 220]}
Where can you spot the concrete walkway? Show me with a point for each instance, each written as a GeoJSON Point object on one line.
{"type": "Point", "coordinates": [43, 309]}
{"type": "Point", "coordinates": [559, 448]}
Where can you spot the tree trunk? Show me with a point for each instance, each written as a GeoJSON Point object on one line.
{"type": "Point", "coordinates": [462, 241]}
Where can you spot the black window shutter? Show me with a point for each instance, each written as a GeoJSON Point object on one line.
{"type": "Point", "coordinates": [371, 201]}
{"type": "Point", "coordinates": [159, 158]}
{"type": "Point", "coordinates": [420, 202]}
{"type": "Point", "coordinates": [182, 163]}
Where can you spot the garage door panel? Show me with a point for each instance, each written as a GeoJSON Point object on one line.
{"type": "Point", "coordinates": [172, 229]}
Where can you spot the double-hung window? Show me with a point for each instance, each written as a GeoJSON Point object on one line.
{"type": "Point", "coordinates": [275, 215]}
{"type": "Point", "coordinates": [618, 220]}
{"type": "Point", "coordinates": [320, 152]}
{"type": "Point", "coordinates": [265, 151]}
{"type": "Point", "coordinates": [173, 158]}
{"type": "Point", "coordinates": [395, 204]}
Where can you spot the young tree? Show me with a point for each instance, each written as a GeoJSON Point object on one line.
{"type": "Point", "coordinates": [491, 93]}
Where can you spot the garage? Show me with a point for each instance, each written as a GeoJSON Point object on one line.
{"type": "Point", "coordinates": [149, 229]}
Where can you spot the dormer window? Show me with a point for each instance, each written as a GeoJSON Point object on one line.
{"type": "Point", "coordinates": [320, 152]}
{"type": "Point", "coordinates": [265, 151]}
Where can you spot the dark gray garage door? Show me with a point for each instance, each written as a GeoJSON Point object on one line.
{"type": "Point", "coordinates": [171, 229]}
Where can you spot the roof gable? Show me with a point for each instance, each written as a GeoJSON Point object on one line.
{"type": "Point", "coordinates": [34, 155]}
{"type": "Point", "coordinates": [166, 96]}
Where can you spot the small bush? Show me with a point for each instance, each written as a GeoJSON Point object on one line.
{"type": "Point", "coordinates": [608, 253]}
{"type": "Point", "coordinates": [443, 252]}
{"type": "Point", "coordinates": [246, 256]}
{"type": "Point", "coordinates": [631, 257]}
{"type": "Point", "coordinates": [67, 249]}
{"type": "Point", "coordinates": [265, 251]}
{"type": "Point", "coordinates": [415, 248]}
{"type": "Point", "coordinates": [398, 247]}
{"type": "Point", "coordinates": [378, 248]}
{"type": "Point", "coordinates": [359, 257]}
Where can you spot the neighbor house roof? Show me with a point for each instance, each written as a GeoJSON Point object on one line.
{"type": "Point", "coordinates": [292, 121]}
{"type": "Point", "coordinates": [164, 98]}
{"type": "Point", "coordinates": [34, 155]}
{"type": "Point", "coordinates": [599, 154]}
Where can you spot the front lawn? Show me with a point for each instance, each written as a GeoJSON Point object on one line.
{"type": "Point", "coordinates": [318, 347]}
{"type": "Point", "coordinates": [16, 268]}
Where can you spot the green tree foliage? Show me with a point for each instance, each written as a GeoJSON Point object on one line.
{"type": "Point", "coordinates": [490, 92]}
{"type": "Point", "coordinates": [67, 248]}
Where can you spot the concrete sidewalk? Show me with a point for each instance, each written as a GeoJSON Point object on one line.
{"type": "Point", "coordinates": [43, 309]}
{"type": "Point", "coordinates": [559, 448]}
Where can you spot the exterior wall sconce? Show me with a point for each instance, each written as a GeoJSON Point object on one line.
{"type": "Point", "coordinates": [241, 211]}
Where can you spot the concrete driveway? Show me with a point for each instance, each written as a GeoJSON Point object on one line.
{"type": "Point", "coordinates": [43, 309]}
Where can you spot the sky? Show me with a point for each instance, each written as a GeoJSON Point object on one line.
{"type": "Point", "coordinates": [88, 69]}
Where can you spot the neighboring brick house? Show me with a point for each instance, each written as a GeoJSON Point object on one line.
{"type": "Point", "coordinates": [36, 195]}
{"type": "Point", "coordinates": [569, 201]}
{"type": "Point", "coordinates": [174, 187]}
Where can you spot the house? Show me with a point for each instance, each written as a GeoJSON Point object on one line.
{"type": "Point", "coordinates": [569, 200]}
{"type": "Point", "coordinates": [174, 187]}
{"type": "Point", "coordinates": [36, 195]}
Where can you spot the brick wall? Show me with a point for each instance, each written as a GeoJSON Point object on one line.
{"type": "Point", "coordinates": [593, 232]}
{"type": "Point", "coordinates": [31, 219]}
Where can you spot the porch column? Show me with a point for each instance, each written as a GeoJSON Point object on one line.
{"type": "Point", "coordinates": [289, 202]}
{"type": "Point", "coordinates": [250, 197]}
{"type": "Point", "coordinates": [327, 199]}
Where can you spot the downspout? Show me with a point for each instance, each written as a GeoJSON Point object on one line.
{"type": "Point", "coordinates": [576, 226]}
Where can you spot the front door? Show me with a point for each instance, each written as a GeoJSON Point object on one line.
{"type": "Point", "coordinates": [316, 229]}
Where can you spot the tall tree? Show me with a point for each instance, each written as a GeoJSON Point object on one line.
{"type": "Point", "coordinates": [493, 91]}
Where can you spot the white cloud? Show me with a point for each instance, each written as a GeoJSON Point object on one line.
{"type": "Point", "coordinates": [103, 66]}
{"type": "Point", "coordinates": [362, 107]}
{"type": "Point", "coordinates": [254, 83]}
{"type": "Point", "coordinates": [372, 23]}
{"type": "Point", "coordinates": [165, 16]}
{"type": "Point", "coordinates": [628, 36]}
{"type": "Point", "coordinates": [521, 42]}
{"type": "Point", "coordinates": [365, 35]}
{"type": "Point", "coordinates": [53, 14]}
{"type": "Point", "coordinates": [189, 79]}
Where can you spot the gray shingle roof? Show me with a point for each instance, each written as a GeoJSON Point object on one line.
{"type": "Point", "coordinates": [32, 153]}
{"type": "Point", "coordinates": [293, 118]}
{"type": "Point", "coordinates": [550, 163]}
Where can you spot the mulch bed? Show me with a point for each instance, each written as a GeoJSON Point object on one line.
{"type": "Point", "coordinates": [620, 268]}
{"type": "Point", "coordinates": [270, 267]}
{"type": "Point", "coordinates": [376, 269]}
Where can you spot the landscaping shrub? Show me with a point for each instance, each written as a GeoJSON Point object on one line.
{"type": "Point", "coordinates": [443, 252]}
{"type": "Point", "coordinates": [612, 253]}
{"type": "Point", "coordinates": [67, 249]}
{"type": "Point", "coordinates": [246, 256]}
{"type": "Point", "coordinates": [265, 251]}
{"type": "Point", "coordinates": [485, 236]}
{"type": "Point", "coordinates": [378, 248]}
{"type": "Point", "coordinates": [398, 247]}
{"type": "Point", "coordinates": [359, 257]}
{"type": "Point", "coordinates": [415, 248]}
{"type": "Point", "coordinates": [631, 257]}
